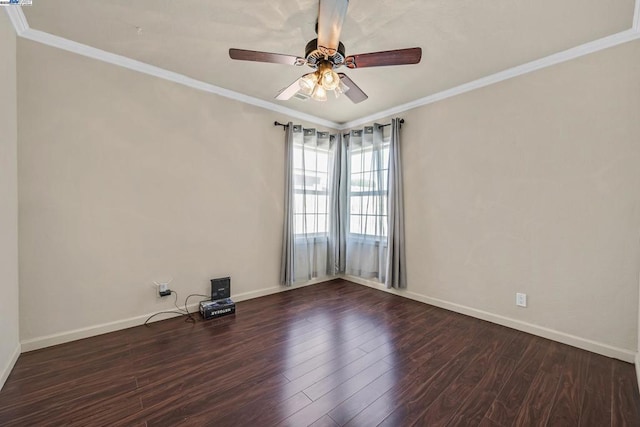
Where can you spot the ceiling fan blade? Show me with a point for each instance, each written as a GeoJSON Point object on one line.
{"type": "Point", "coordinates": [275, 58]}
{"type": "Point", "coordinates": [331, 15]}
{"type": "Point", "coordinates": [289, 91]}
{"type": "Point", "coordinates": [355, 94]}
{"type": "Point", "coordinates": [388, 57]}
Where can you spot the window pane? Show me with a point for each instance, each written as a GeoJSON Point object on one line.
{"type": "Point", "coordinates": [297, 224]}
{"type": "Point", "coordinates": [311, 178]}
{"type": "Point", "coordinates": [310, 204]}
{"type": "Point", "coordinates": [356, 162]}
{"type": "Point", "coordinates": [309, 160]}
{"type": "Point", "coordinates": [376, 178]}
{"type": "Point", "coordinates": [297, 157]}
{"type": "Point", "coordinates": [323, 161]}
{"type": "Point", "coordinates": [298, 179]}
{"type": "Point", "coordinates": [370, 227]}
{"type": "Point", "coordinates": [357, 180]}
{"type": "Point", "coordinates": [385, 157]}
{"type": "Point", "coordinates": [371, 205]}
{"type": "Point", "coordinates": [368, 191]}
{"type": "Point", "coordinates": [367, 160]}
{"type": "Point", "coordinates": [323, 204]}
{"type": "Point", "coordinates": [323, 226]}
{"type": "Point", "coordinates": [355, 224]}
{"type": "Point", "coordinates": [322, 181]}
{"type": "Point", "coordinates": [310, 223]}
{"type": "Point", "coordinates": [298, 199]}
{"type": "Point", "coordinates": [362, 182]}
{"type": "Point", "coordinates": [356, 205]}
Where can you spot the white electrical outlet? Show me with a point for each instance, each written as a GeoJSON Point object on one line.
{"type": "Point", "coordinates": [162, 287]}
{"type": "Point", "coordinates": [521, 300]}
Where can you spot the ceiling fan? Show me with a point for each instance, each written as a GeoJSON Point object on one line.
{"type": "Point", "coordinates": [327, 53]}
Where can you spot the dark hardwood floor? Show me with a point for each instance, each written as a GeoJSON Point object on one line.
{"type": "Point", "coordinates": [324, 355]}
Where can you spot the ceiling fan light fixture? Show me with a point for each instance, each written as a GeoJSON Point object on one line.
{"type": "Point", "coordinates": [319, 94]}
{"type": "Point", "coordinates": [342, 87]}
{"type": "Point", "coordinates": [308, 83]}
{"type": "Point", "coordinates": [330, 80]}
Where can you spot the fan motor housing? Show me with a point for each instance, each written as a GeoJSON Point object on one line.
{"type": "Point", "coordinates": [315, 56]}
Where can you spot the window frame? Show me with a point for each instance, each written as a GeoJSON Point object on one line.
{"type": "Point", "coordinates": [382, 193]}
{"type": "Point", "coordinates": [316, 236]}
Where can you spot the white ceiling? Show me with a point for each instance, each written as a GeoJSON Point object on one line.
{"type": "Point", "coordinates": [461, 40]}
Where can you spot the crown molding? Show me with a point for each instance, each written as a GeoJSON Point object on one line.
{"type": "Point", "coordinates": [152, 70]}
{"type": "Point", "coordinates": [567, 55]}
{"type": "Point", "coordinates": [17, 18]}
{"type": "Point", "coordinates": [21, 26]}
{"type": "Point", "coordinates": [19, 21]}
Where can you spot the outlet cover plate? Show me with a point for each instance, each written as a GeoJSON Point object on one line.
{"type": "Point", "coordinates": [521, 300]}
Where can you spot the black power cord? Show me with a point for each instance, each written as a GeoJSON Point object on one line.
{"type": "Point", "coordinates": [180, 311]}
{"type": "Point", "coordinates": [190, 318]}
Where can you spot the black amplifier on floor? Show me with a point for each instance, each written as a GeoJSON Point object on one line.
{"type": "Point", "coordinates": [218, 308]}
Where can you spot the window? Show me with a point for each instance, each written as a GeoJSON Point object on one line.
{"type": "Point", "coordinates": [368, 179]}
{"type": "Point", "coordinates": [311, 166]}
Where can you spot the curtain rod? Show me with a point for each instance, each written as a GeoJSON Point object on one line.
{"type": "Point", "coordinates": [389, 124]}
{"type": "Point", "coordinates": [381, 126]}
{"type": "Point", "coordinates": [285, 126]}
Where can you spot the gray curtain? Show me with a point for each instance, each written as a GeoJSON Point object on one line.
{"type": "Point", "coordinates": [338, 210]}
{"type": "Point", "coordinates": [366, 254]}
{"type": "Point", "coordinates": [307, 252]}
{"type": "Point", "coordinates": [344, 210]}
{"type": "Point", "coordinates": [287, 265]}
{"type": "Point", "coordinates": [396, 276]}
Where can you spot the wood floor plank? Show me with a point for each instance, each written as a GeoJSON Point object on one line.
{"type": "Point", "coordinates": [59, 405]}
{"type": "Point", "coordinates": [343, 391]}
{"type": "Point", "coordinates": [425, 362]}
{"type": "Point", "coordinates": [264, 412]}
{"type": "Point", "coordinates": [596, 403]}
{"type": "Point", "coordinates": [424, 393]}
{"type": "Point", "coordinates": [448, 403]}
{"type": "Point", "coordinates": [330, 382]}
{"type": "Point", "coordinates": [543, 389]}
{"type": "Point", "coordinates": [568, 402]}
{"type": "Point", "coordinates": [511, 398]}
{"type": "Point", "coordinates": [625, 399]}
{"type": "Point", "coordinates": [472, 410]}
{"type": "Point", "coordinates": [351, 406]}
{"type": "Point", "coordinates": [331, 354]}
{"type": "Point", "coordinates": [325, 421]}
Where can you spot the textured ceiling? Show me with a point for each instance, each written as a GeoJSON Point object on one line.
{"type": "Point", "coordinates": [461, 40]}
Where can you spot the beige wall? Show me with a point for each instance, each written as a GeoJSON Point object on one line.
{"type": "Point", "coordinates": [533, 185]}
{"type": "Point", "coordinates": [126, 179]}
{"type": "Point", "coordinates": [9, 342]}
{"type": "Point", "coordinates": [530, 185]}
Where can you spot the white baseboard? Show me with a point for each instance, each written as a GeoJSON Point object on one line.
{"type": "Point", "coordinates": [6, 370]}
{"type": "Point", "coordinates": [541, 331]}
{"type": "Point", "coordinates": [103, 328]}
{"type": "Point", "coordinates": [276, 289]}
{"type": "Point", "coordinates": [575, 341]}
{"type": "Point", "coordinates": [92, 331]}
